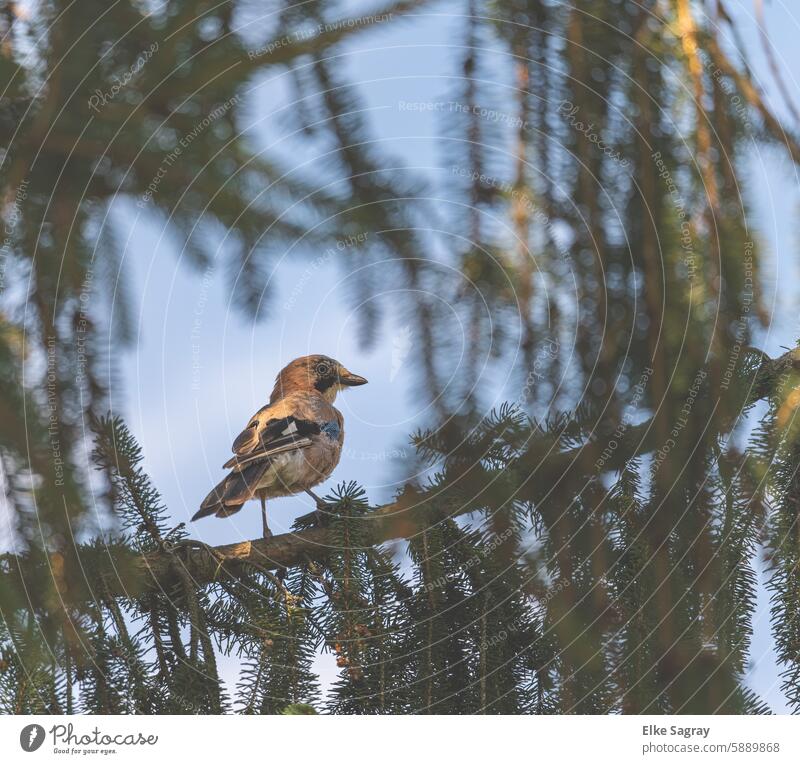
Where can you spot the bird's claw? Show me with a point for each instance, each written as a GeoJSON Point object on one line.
{"type": "Point", "coordinates": [321, 505]}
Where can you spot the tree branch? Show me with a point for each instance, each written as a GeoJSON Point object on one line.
{"type": "Point", "coordinates": [753, 97]}
{"type": "Point", "coordinates": [401, 519]}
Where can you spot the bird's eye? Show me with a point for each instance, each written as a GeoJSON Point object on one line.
{"type": "Point", "coordinates": [323, 369]}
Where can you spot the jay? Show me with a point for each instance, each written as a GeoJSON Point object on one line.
{"type": "Point", "coordinates": [290, 445]}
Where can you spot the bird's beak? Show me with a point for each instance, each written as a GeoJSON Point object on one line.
{"type": "Point", "coordinates": [350, 379]}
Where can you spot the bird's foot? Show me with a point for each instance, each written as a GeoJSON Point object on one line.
{"type": "Point", "coordinates": [322, 517]}
{"type": "Point", "coordinates": [323, 508]}
{"type": "Point", "coordinates": [265, 528]}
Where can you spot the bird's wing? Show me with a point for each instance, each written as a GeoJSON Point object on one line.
{"type": "Point", "coordinates": [248, 438]}
{"type": "Point", "coordinates": [264, 439]}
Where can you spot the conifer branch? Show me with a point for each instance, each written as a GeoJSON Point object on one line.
{"type": "Point", "coordinates": [754, 98]}
{"type": "Point", "coordinates": [403, 518]}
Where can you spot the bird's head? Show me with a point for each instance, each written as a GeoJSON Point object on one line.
{"type": "Point", "coordinates": [315, 372]}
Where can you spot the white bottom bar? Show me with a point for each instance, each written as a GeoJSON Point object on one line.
{"type": "Point", "coordinates": [445, 739]}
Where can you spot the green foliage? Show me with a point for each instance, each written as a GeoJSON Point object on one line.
{"type": "Point", "coordinates": [779, 456]}
{"type": "Point", "coordinates": [542, 607]}
{"type": "Point", "coordinates": [299, 709]}
{"type": "Point", "coordinates": [591, 547]}
{"type": "Point", "coordinates": [279, 666]}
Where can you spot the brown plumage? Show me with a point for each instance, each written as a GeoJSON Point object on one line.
{"type": "Point", "coordinates": [290, 445]}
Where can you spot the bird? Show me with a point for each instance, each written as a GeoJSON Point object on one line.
{"type": "Point", "coordinates": [290, 445]}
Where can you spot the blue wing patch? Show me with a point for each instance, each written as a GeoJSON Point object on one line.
{"type": "Point", "coordinates": [331, 429]}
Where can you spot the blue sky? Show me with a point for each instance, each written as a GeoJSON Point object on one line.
{"type": "Point", "coordinates": [199, 369]}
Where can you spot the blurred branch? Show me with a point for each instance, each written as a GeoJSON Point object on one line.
{"type": "Point", "coordinates": [12, 112]}
{"type": "Point", "coordinates": [294, 44]}
{"type": "Point", "coordinates": [769, 54]}
{"type": "Point", "coordinates": [754, 98]}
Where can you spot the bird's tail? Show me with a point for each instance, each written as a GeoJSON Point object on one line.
{"type": "Point", "coordinates": [230, 494]}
